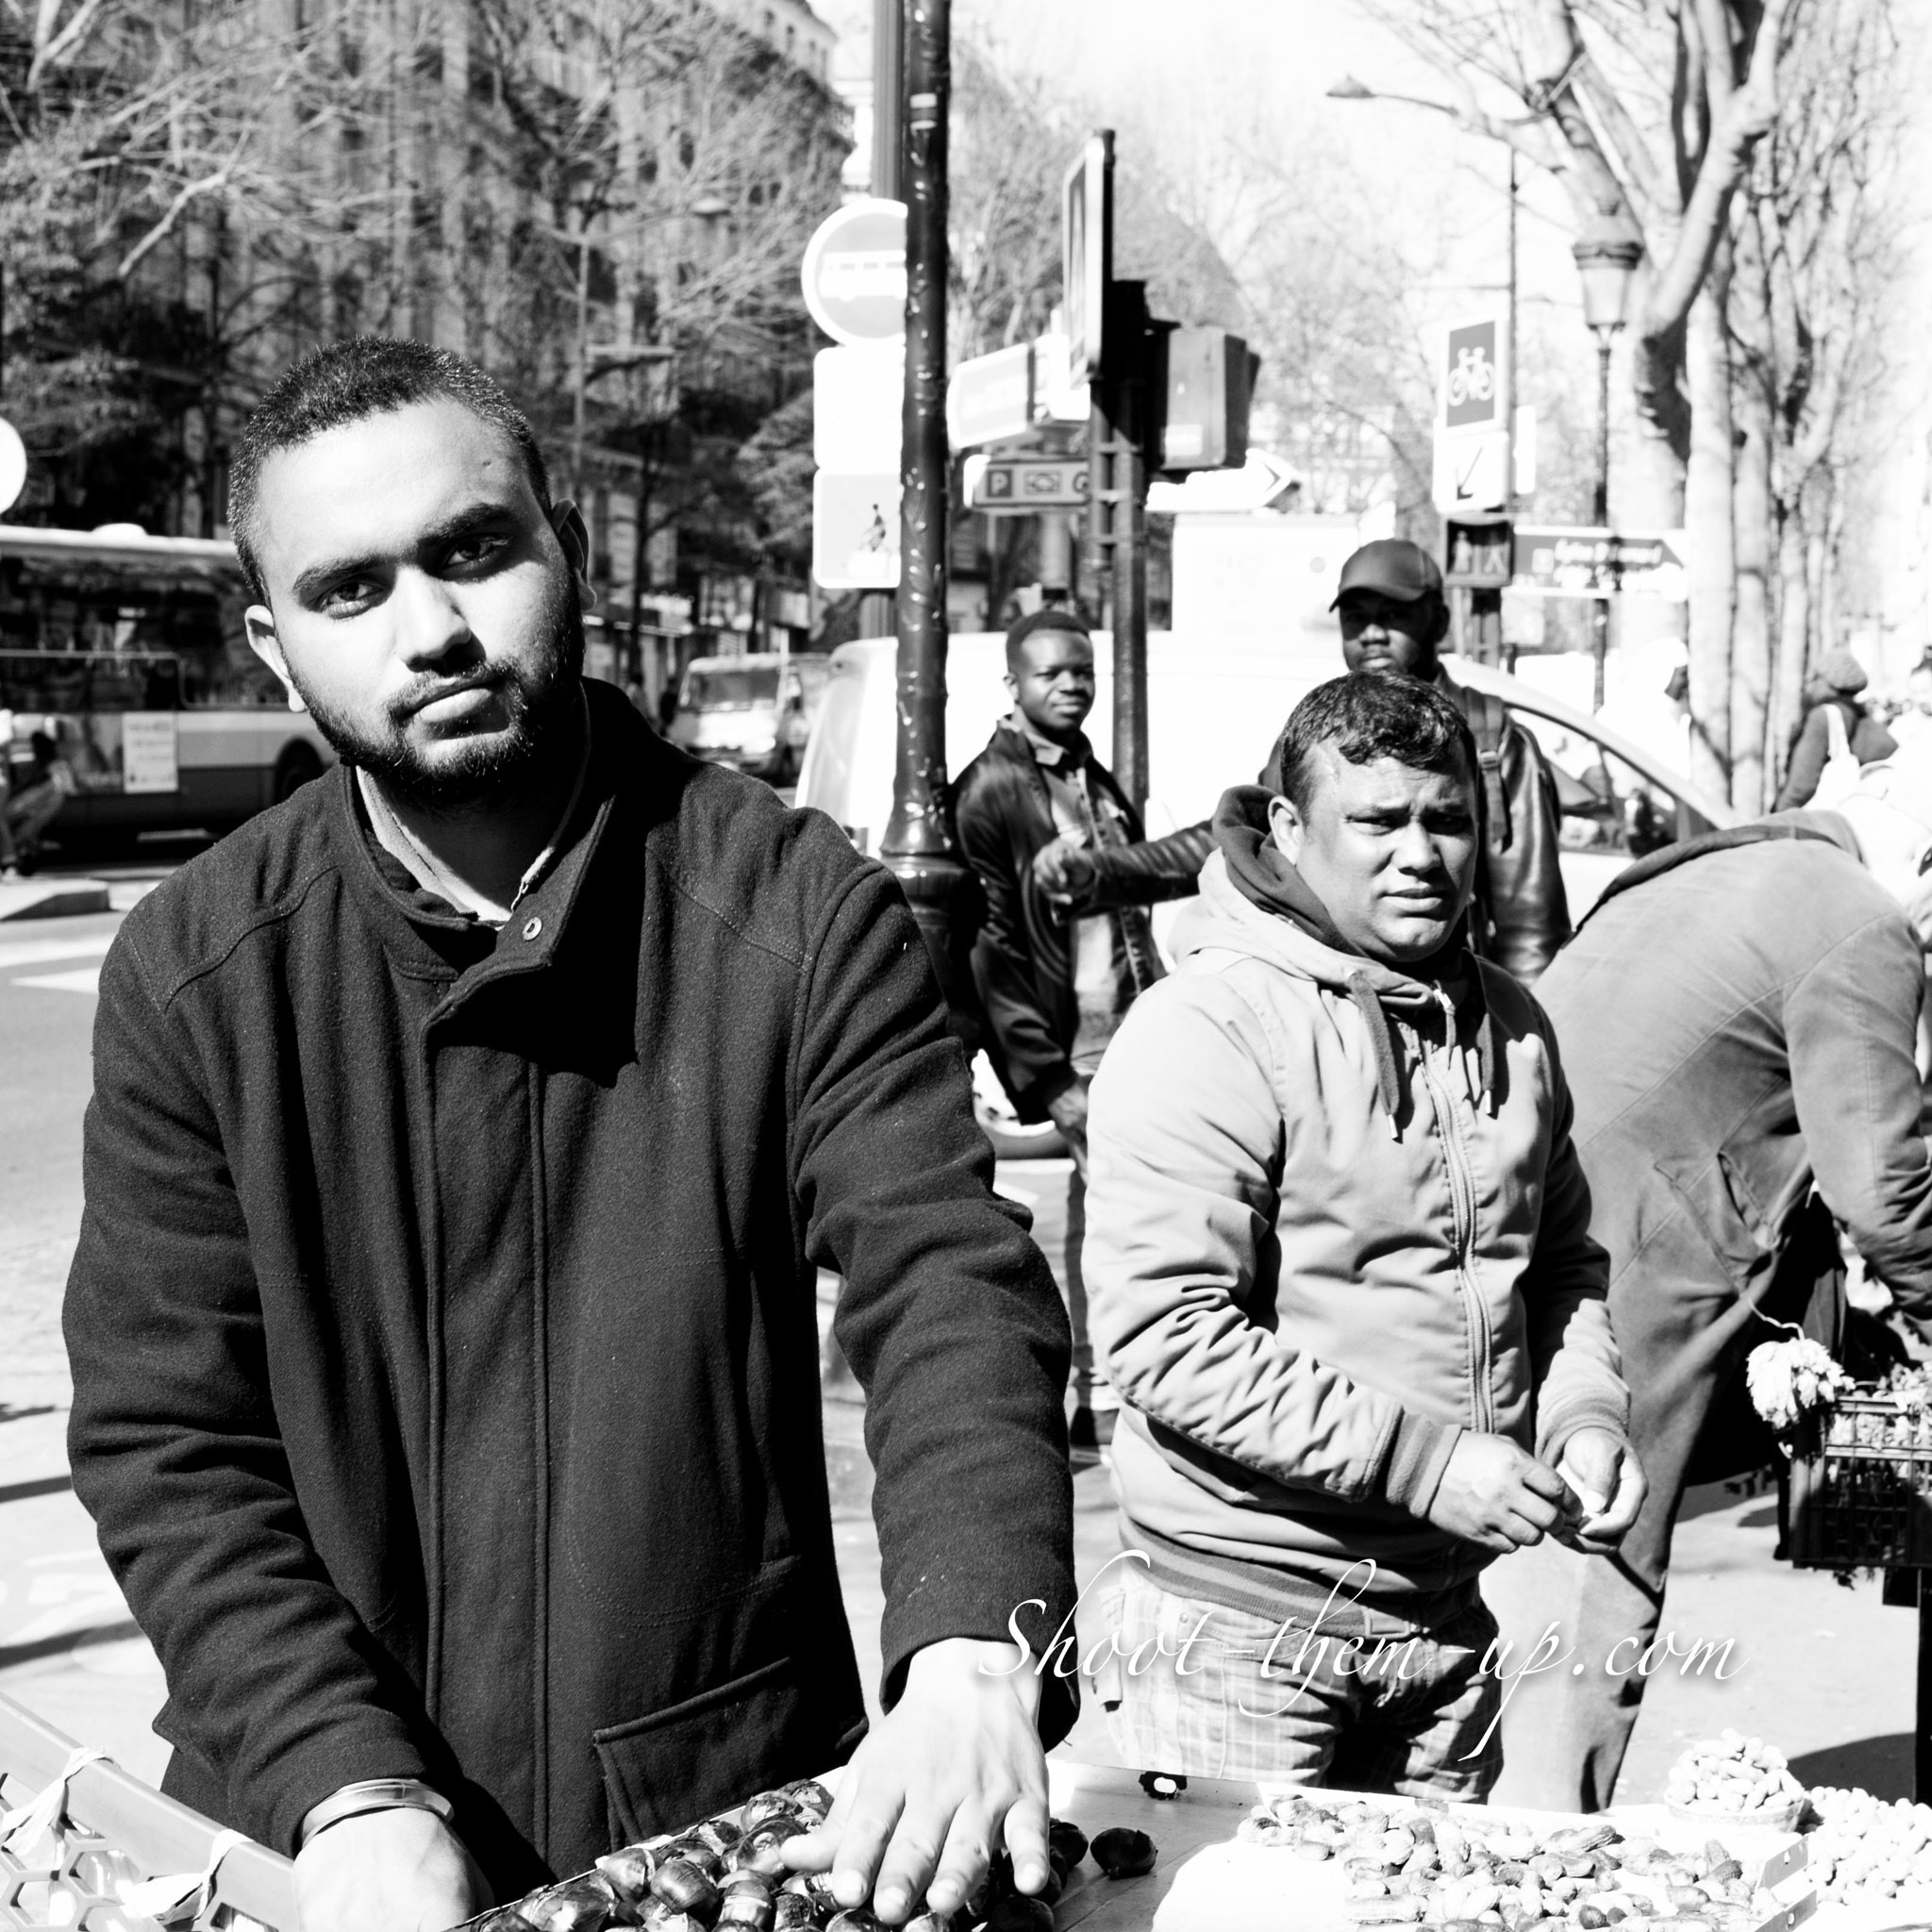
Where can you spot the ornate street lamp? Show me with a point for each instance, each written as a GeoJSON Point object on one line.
{"type": "Point", "coordinates": [1606, 265]}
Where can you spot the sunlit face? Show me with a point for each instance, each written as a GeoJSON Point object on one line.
{"type": "Point", "coordinates": [1053, 683]}
{"type": "Point", "coordinates": [1384, 633]}
{"type": "Point", "coordinates": [1389, 850]}
{"type": "Point", "coordinates": [422, 601]}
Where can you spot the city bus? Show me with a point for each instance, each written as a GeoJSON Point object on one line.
{"type": "Point", "coordinates": [129, 652]}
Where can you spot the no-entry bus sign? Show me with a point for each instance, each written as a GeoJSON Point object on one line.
{"type": "Point", "coordinates": [854, 277]}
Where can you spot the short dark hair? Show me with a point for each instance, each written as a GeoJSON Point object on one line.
{"type": "Point", "coordinates": [1048, 617]}
{"type": "Point", "coordinates": [1371, 715]}
{"type": "Point", "coordinates": [345, 382]}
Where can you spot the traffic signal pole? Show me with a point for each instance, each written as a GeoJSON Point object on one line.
{"type": "Point", "coordinates": [1117, 495]}
{"type": "Point", "coordinates": [919, 845]}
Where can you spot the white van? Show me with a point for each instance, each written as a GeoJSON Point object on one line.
{"type": "Point", "coordinates": [1213, 713]}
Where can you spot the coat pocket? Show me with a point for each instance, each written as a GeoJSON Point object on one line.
{"type": "Point", "coordinates": [667, 1770]}
{"type": "Point", "coordinates": [1719, 1202]}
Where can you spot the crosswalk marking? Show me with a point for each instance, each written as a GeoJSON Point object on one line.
{"type": "Point", "coordinates": [84, 979]}
{"type": "Point", "coordinates": [39, 952]}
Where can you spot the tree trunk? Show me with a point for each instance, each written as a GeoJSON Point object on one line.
{"type": "Point", "coordinates": [1793, 646]}
{"type": "Point", "coordinates": [1708, 537]}
{"type": "Point", "coordinates": [1751, 506]}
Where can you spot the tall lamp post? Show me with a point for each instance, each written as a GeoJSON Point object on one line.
{"type": "Point", "coordinates": [1606, 265]}
{"type": "Point", "coordinates": [919, 845]}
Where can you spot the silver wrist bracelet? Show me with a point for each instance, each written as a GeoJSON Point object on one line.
{"type": "Point", "coordinates": [373, 1795]}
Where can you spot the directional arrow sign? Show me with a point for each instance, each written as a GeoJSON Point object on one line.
{"type": "Point", "coordinates": [1579, 561]}
{"type": "Point", "coordinates": [1471, 472]}
{"type": "Point", "coordinates": [1019, 485]}
{"type": "Point", "coordinates": [991, 397]}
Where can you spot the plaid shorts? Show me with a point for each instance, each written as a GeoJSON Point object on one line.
{"type": "Point", "coordinates": [1196, 1688]}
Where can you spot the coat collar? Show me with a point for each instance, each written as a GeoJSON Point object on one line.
{"type": "Point", "coordinates": [429, 939]}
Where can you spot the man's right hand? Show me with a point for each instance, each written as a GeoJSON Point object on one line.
{"type": "Point", "coordinates": [400, 1871]}
{"type": "Point", "coordinates": [1494, 1494]}
{"type": "Point", "coordinates": [1063, 869]}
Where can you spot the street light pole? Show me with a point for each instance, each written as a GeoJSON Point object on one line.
{"type": "Point", "coordinates": [1600, 607]}
{"type": "Point", "coordinates": [919, 845]}
{"type": "Point", "coordinates": [1606, 262]}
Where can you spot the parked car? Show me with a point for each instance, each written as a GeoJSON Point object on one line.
{"type": "Point", "coordinates": [1213, 712]}
{"type": "Point", "coordinates": [754, 712]}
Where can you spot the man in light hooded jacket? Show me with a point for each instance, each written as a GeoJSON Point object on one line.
{"type": "Point", "coordinates": [1339, 1259]}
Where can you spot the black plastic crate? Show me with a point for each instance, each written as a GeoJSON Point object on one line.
{"type": "Point", "coordinates": [1862, 1495]}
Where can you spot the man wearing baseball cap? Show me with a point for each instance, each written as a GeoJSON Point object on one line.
{"type": "Point", "coordinates": [1393, 619]}
{"type": "Point", "coordinates": [1738, 1019]}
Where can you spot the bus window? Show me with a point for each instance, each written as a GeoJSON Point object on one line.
{"type": "Point", "coordinates": [134, 684]}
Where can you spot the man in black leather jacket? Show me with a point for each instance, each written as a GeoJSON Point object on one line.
{"type": "Point", "coordinates": [1393, 619]}
{"type": "Point", "coordinates": [1055, 983]}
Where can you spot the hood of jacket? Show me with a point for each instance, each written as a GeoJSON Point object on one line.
{"type": "Point", "coordinates": [1254, 901]}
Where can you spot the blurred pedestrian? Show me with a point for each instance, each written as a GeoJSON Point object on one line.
{"type": "Point", "coordinates": [1738, 1019]}
{"type": "Point", "coordinates": [1055, 982]}
{"type": "Point", "coordinates": [1394, 617]}
{"type": "Point", "coordinates": [466, 1137]}
{"type": "Point", "coordinates": [1912, 724]}
{"type": "Point", "coordinates": [9, 859]}
{"type": "Point", "coordinates": [1838, 736]}
{"type": "Point", "coordinates": [49, 784]}
{"type": "Point", "coordinates": [1343, 1279]}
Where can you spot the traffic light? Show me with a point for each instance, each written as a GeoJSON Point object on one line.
{"type": "Point", "coordinates": [1479, 556]}
{"type": "Point", "coordinates": [1201, 384]}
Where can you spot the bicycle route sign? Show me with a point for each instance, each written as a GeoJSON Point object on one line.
{"type": "Point", "coordinates": [1473, 384]}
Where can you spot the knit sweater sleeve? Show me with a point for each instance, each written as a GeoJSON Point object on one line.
{"type": "Point", "coordinates": [949, 1316]}
{"type": "Point", "coordinates": [176, 1450]}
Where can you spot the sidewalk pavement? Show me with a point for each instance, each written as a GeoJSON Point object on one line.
{"type": "Point", "coordinates": [1818, 1671]}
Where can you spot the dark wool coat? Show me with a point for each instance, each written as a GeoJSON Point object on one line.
{"type": "Point", "coordinates": [443, 1319]}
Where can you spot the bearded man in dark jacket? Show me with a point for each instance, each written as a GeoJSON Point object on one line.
{"type": "Point", "coordinates": [466, 1134]}
{"type": "Point", "coordinates": [1393, 619]}
{"type": "Point", "coordinates": [1738, 1016]}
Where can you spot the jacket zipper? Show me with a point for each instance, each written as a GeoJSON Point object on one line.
{"type": "Point", "coordinates": [1462, 1210]}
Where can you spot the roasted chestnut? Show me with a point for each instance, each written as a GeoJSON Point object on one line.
{"type": "Point", "coordinates": [629, 1870]}
{"type": "Point", "coordinates": [766, 1806]}
{"type": "Point", "coordinates": [683, 1885]}
{"type": "Point", "coordinates": [808, 1794]}
{"type": "Point", "coordinates": [792, 1912]}
{"type": "Point", "coordinates": [816, 1888]}
{"type": "Point", "coordinates": [752, 1910]}
{"type": "Point", "coordinates": [504, 1919]}
{"type": "Point", "coordinates": [709, 1861]}
{"type": "Point", "coordinates": [856, 1920]}
{"type": "Point", "coordinates": [1016, 1912]}
{"type": "Point", "coordinates": [745, 1879]}
{"type": "Point", "coordinates": [719, 1833]}
{"type": "Point", "coordinates": [578, 1904]}
{"type": "Point", "coordinates": [1124, 1854]}
{"type": "Point", "coordinates": [761, 1850]}
{"type": "Point", "coordinates": [1067, 1840]}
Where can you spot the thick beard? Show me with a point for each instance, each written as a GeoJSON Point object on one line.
{"type": "Point", "coordinates": [543, 709]}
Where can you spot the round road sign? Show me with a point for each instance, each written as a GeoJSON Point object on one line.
{"type": "Point", "coordinates": [855, 272]}
{"type": "Point", "coordinates": [12, 465]}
